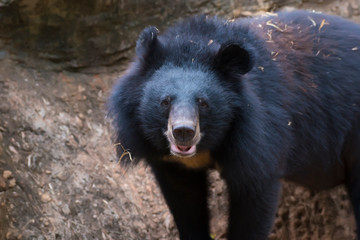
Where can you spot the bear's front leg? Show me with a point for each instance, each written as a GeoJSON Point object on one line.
{"type": "Point", "coordinates": [253, 205]}
{"type": "Point", "coordinates": [185, 192]}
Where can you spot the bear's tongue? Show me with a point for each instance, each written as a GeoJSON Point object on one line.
{"type": "Point", "coordinates": [184, 150]}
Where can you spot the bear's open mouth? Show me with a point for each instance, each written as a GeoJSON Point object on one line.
{"type": "Point", "coordinates": [183, 151]}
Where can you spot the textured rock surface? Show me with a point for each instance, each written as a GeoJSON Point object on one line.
{"type": "Point", "coordinates": [87, 34]}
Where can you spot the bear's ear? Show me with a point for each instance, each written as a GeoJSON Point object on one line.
{"type": "Point", "coordinates": [233, 58]}
{"type": "Point", "coordinates": [147, 42]}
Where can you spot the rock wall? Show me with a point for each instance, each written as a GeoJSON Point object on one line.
{"type": "Point", "coordinates": [82, 34]}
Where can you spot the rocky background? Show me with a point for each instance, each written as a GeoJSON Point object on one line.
{"type": "Point", "coordinates": [58, 173]}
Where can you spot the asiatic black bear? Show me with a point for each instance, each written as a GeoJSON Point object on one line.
{"type": "Point", "coordinates": [261, 99]}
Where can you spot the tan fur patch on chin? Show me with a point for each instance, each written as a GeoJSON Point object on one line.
{"type": "Point", "coordinates": [199, 160]}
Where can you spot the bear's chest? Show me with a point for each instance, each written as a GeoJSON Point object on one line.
{"type": "Point", "coordinates": [200, 160]}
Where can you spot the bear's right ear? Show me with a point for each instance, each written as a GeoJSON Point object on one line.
{"type": "Point", "coordinates": [234, 59]}
{"type": "Point", "coordinates": [147, 42]}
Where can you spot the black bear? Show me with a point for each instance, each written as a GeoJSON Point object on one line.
{"type": "Point", "coordinates": [259, 99]}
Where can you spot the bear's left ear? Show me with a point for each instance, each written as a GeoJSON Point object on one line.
{"type": "Point", "coordinates": [233, 58]}
{"type": "Point", "coordinates": [147, 42]}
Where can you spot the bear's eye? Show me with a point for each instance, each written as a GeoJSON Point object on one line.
{"type": "Point", "coordinates": [203, 103]}
{"type": "Point", "coordinates": [166, 102]}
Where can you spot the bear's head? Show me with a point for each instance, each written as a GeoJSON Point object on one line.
{"type": "Point", "coordinates": [181, 95]}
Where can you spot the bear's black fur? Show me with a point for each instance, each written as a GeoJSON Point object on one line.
{"type": "Point", "coordinates": [262, 99]}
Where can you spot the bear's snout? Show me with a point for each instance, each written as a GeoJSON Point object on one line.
{"type": "Point", "coordinates": [183, 133]}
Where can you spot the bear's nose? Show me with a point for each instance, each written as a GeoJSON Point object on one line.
{"type": "Point", "coordinates": [183, 133]}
